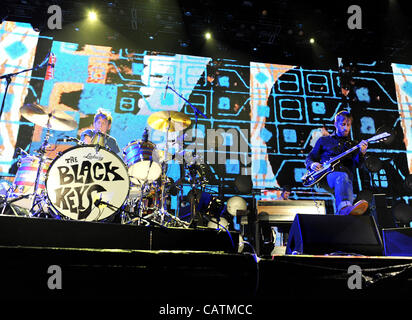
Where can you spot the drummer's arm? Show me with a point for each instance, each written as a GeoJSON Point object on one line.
{"type": "Point", "coordinates": [86, 139]}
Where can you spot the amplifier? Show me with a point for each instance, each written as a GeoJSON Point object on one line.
{"type": "Point", "coordinates": [286, 210]}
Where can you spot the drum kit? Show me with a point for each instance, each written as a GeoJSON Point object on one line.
{"type": "Point", "coordinates": [89, 182]}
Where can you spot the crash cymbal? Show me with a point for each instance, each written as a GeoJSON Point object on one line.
{"type": "Point", "coordinates": [54, 120]}
{"type": "Point", "coordinates": [160, 121]}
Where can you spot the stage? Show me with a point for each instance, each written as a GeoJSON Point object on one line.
{"type": "Point", "coordinates": [53, 260]}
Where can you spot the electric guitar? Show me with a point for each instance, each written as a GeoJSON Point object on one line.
{"type": "Point", "coordinates": [312, 177]}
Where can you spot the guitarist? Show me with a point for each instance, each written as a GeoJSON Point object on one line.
{"type": "Point", "coordinates": [340, 180]}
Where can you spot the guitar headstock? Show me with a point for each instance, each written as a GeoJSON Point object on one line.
{"type": "Point", "coordinates": [380, 137]}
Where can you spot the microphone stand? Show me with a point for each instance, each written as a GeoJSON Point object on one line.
{"type": "Point", "coordinates": [197, 113]}
{"type": "Point", "coordinates": [9, 76]}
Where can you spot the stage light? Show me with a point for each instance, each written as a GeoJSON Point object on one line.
{"type": "Point", "coordinates": [92, 15]}
{"type": "Point", "coordinates": [312, 40]}
{"type": "Point", "coordinates": [208, 35]}
{"type": "Point", "coordinates": [236, 203]}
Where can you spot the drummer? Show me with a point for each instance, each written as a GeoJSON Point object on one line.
{"type": "Point", "coordinates": [99, 135]}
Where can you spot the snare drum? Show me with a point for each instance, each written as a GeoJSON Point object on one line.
{"type": "Point", "coordinates": [142, 159]}
{"type": "Point", "coordinates": [87, 183]}
{"type": "Point", "coordinates": [25, 179]}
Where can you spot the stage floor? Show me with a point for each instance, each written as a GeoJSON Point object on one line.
{"type": "Point", "coordinates": [49, 260]}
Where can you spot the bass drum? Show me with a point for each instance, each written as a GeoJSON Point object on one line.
{"type": "Point", "coordinates": [87, 183]}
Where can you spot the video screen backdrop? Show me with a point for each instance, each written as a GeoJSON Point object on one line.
{"type": "Point", "coordinates": [263, 118]}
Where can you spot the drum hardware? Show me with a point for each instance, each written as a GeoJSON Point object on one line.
{"type": "Point", "coordinates": [167, 121]}
{"type": "Point", "coordinates": [208, 207]}
{"type": "Point", "coordinates": [38, 200]}
{"type": "Point", "coordinates": [99, 138]}
{"type": "Point", "coordinates": [138, 202]}
{"type": "Point", "coordinates": [197, 112]}
{"type": "Point", "coordinates": [51, 120]}
{"type": "Point", "coordinates": [5, 201]}
{"type": "Point", "coordinates": [38, 115]}
{"type": "Point", "coordinates": [97, 203]}
{"type": "Point", "coordinates": [195, 175]}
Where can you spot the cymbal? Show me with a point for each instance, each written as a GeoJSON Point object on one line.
{"type": "Point", "coordinates": [160, 121]}
{"type": "Point", "coordinates": [54, 120]}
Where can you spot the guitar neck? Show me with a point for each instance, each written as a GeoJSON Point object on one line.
{"type": "Point", "coordinates": [338, 157]}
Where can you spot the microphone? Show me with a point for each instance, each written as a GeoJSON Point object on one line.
{"type": "Point", "coordinates": [98, 202]}
{"type": "Point", "coordinates": [167, 87]}
{"type": "Point", "coordinates": [51, 63]}
{"type": "Point", "coordinates": [43, 63]}
{"type": "Point", "coordinates": [20, 151]}
{"type": "Point", "coordinates": [145, 135]}
{"type": "Point", "coordinates": [68, 139]}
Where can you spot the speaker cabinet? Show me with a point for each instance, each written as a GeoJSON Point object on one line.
{"type": "Point", "coordinates": [332, 234]}
{"type": "Point", "coordinates": [379, 210]}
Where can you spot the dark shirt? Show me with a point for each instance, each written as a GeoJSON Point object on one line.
{"type": "Point", "coordinates": [110, 142]}
{"type": "Point", "coordinates": [331, 146]}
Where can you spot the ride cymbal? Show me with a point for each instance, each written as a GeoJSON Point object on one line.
{"type": "Point", "coordinates": [160, 121]}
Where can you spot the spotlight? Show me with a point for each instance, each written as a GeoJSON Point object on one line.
{"type": "Point", "coordinates": [208, 35]}
{"type": "Point", "coordinates": [236, 203]}
{"type": "Point", "coordinates": [92, 15]}
{"type": "Point", "coordinates": [312, 40]}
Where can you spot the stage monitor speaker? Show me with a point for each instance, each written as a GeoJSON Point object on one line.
{"type": "Point", "coordinates": [379, 210]}
{"type": "Point", "coordinates": [397, 241]}
{"type": "Point", "coordinates": [332, 234]}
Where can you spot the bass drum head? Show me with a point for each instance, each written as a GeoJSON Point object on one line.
{"type": "Point", "coordinates": [87, 183]}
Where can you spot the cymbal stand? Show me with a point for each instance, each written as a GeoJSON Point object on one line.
{"type": "Point", "coordinates": [37, 199]}
{"type": "Point", "coordinates": [197, 113]}
{"type": "Point", "coordinates": [162, 199]}
{"type": "Point", "coordinates": [8, 78]}
{"type": "Point", "coordinates": [163, 212]}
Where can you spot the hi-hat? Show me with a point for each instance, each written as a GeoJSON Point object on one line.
{"type": "Point", "coordinates": [54, 120]}
{"type": "Point", "coordinates": [160, 121]}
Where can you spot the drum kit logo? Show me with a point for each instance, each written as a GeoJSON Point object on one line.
{"type": "Point", "coordinates": [90, 189]}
